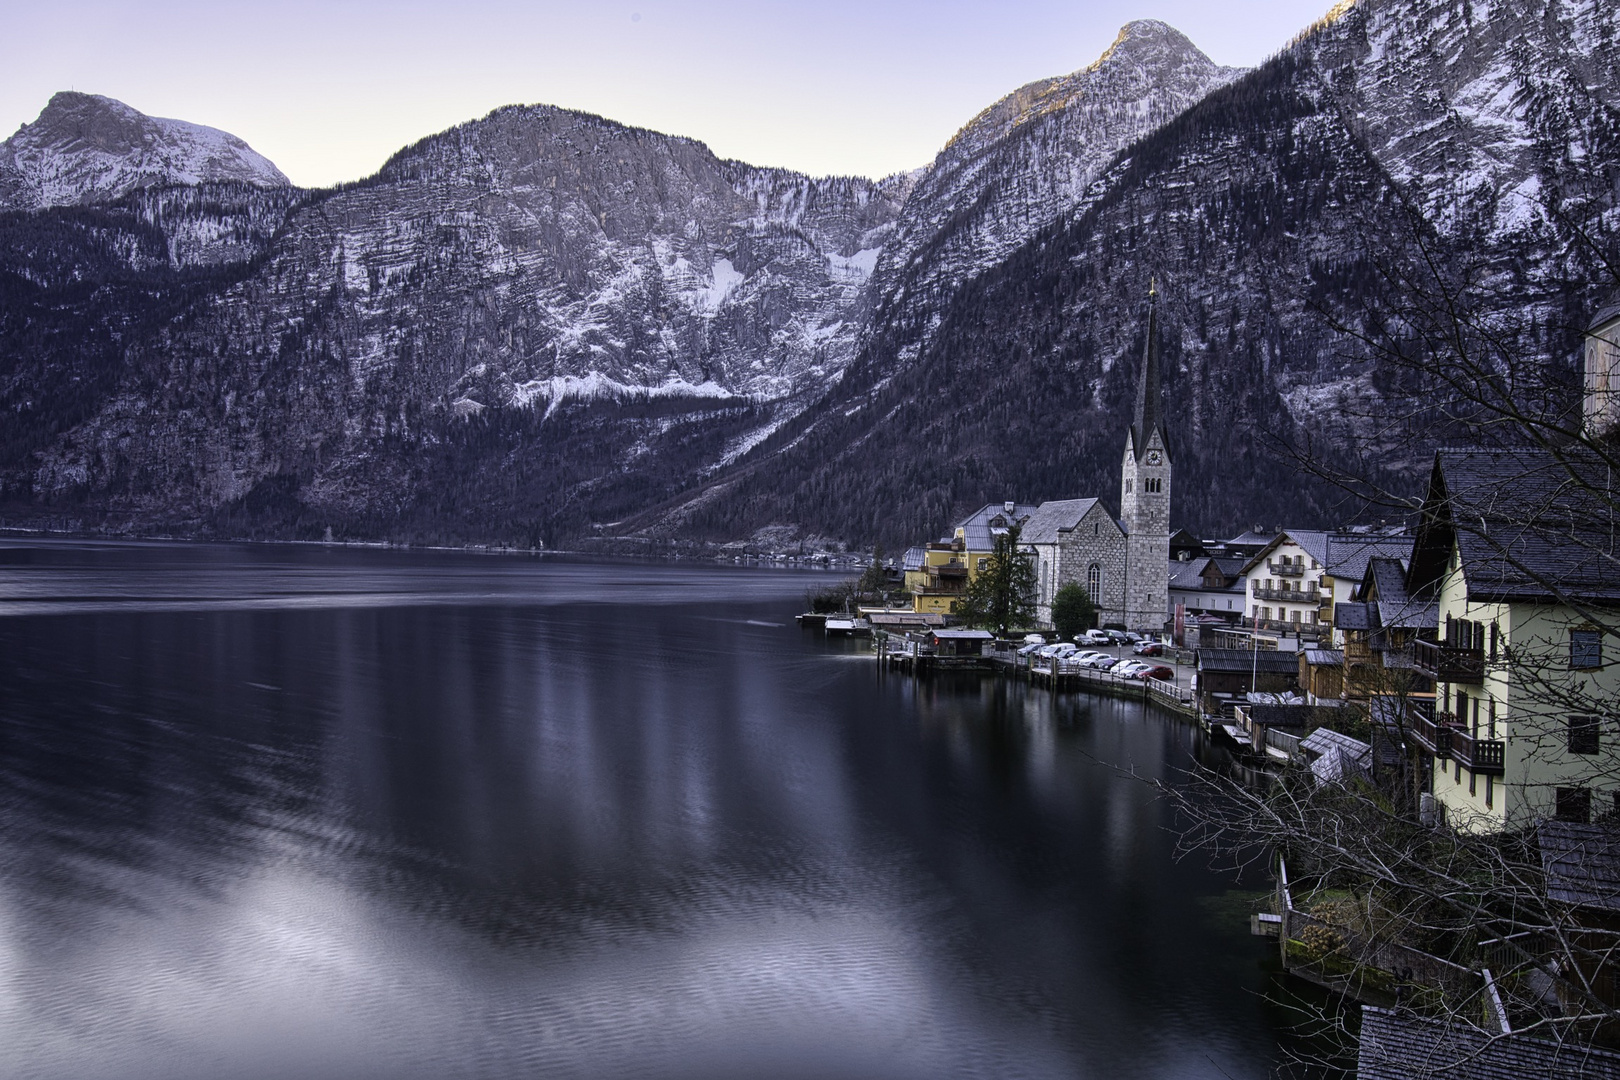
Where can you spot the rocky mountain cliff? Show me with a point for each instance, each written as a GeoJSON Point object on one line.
{"type": "Point", "coordinates": [88, 149]}
{"type": "Point", "coordinates": [1395, 135]}
{"type": "Point", "coordinates": [332, 345]}
{"type": "Point", "coordinates": [543, 326]}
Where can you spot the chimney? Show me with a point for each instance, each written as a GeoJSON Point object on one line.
{"type": "Point", "coordinates": [1009, 506]}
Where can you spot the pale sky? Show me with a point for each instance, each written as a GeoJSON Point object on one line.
{"type": "Point", "coordinates": [328, 90]}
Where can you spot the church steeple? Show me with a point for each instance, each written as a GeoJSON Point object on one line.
{"type": "Point", "coordinates": [1149, 415]}
{"type": "Point", "coordinates": [1144, 496]}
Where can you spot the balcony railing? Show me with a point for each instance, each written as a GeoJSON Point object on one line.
{"type": "Point", "coordinates": [1478, 755]}
{"type": "Point", "coordinates": [1447, 663]}
{"type": "Point", "coordinates": [1294, 596]}
{"type": "Point", "coordinates": [1434, 733]}
{"type": "Point", "coordinates": [1285, 569]}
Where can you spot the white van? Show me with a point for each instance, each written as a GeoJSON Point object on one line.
{"type": "Point", "coordinates": [1096, 637]}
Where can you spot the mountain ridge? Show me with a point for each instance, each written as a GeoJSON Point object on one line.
{"type": "Point", "coordinates": [543, 325]}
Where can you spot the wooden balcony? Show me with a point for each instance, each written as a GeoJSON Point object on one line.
{"type": "Point", "coordinates": [1433, 733]}
{"type": "Point", "coordinates": [1285, 569]}
{"type": "Point", "coordinates": [1448, 663]}
{"type": "Point", "coordinates": [1478, 755]}
{"type": "Point", "coordinates": [1292, 596]}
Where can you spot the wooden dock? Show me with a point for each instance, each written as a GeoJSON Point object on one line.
{"type": "Point", "coordinates": [897, 652]}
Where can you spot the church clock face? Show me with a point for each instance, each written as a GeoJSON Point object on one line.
{"type": "Point", "coordinates": [1154, 457]}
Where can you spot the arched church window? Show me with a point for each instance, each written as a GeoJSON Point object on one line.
{"type": "Point", "coordinates": [1128, 484]}
{"type": "Point", "coordinates": [1094, 581]}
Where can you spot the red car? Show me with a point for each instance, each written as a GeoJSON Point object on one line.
{"type": "Point", "coordinates": [1148, 648]}
{"type": "Point", "coordinates": [1160, 672]}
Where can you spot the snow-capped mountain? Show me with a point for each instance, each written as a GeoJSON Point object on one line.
{"type": "Point", "coordinates": [1032, 157]}
{"type": "Point", "coordinates": [1486, 133]}
{"type": "Point", "coordinates": [544, 325]}
{"type": "Point", "coordinates": [531, 261]}
{"type": "Point", "coordinates": [86, 149]}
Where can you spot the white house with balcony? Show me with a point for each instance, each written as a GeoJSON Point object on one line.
{"type": "Point", "coordinates": [1296, 580]}
{"type": "Point", "coordinates": [1518, 548]}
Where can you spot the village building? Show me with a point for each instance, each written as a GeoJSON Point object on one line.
{"type": "Point", "coordinates": [1516, 548]}
{"type": "Point", "coordinates": [1123, 563]}
{"type": "Point", "coordinates": [1295, 581]}
{"type": "Point", "coordinates": [1210, 585]}
{"type": "Point", "coordinates": [937, 575]}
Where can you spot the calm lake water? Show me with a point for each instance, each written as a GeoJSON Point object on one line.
{"type": "Point", "coordinates": [298, 812]}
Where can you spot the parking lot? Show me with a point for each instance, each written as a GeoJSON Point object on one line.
{"type": "Point", "coordinates": [1183, 671]}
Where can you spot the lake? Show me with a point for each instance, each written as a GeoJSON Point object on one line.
{"type": "Point", "coordinates": [281, 811]}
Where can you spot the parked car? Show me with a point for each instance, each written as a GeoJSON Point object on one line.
{"type": "Point", "coordinates": [1034, 639]}
{"type": "Point", "coordinates": [1133, 637]}
{"type": "Point", "coordinates": [1158, 671]}
{"type": "Point", "coordinates": [1102, 661]}
{"type": "Point", "coordinates": [1128, 668]}
{"type": "Point", "coordinates": [1088, 655]}
{"type": "Point", "coordinates": [1033, 646]}
{"type": "Point", "coordinates": [1148, 648]}
{"type": "Point", "coordinates": [1096, 637]}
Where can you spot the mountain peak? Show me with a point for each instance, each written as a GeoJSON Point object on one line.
{"type": "Point", "coordinates": [86, 148]}
{"type": "Point", "coordinates": [1148, 42]}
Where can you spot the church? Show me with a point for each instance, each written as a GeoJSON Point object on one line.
{"type": "Point", "coordinates": [1123, 563]}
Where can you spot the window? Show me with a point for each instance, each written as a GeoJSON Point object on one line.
{"type": "Point", "coordinates": [980, 565]}
{"type": "Point", "coordinates": [1585, 649]}
{"type": "Point", "coordinates": [1572, 804]}
{"type": "Point", "coordinates": [1496, 637]}
{"type": "Point", "coordinates": [1583, 734]}
{"type": "Point", "coordinates": [1094, 582]}
{"type": "Point", "coordinates": [1128, 486]}
{"type": "Point", "coordinates": [1490, 790]}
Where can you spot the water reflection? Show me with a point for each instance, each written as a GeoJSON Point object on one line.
{"type": "Point", "coordinates": [543, 818]}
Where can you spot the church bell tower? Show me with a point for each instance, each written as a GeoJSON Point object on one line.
{"type": "Point", "coordinates": [1144, 500]}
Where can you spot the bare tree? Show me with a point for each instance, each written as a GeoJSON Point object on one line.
{"type": "Point", "coordinates": [1503, 925]}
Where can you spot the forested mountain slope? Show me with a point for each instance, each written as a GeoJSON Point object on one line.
{"type": "Point", "coordinates": [1486, 134]}
{"type": "Point", "coordinates": [545, 326]}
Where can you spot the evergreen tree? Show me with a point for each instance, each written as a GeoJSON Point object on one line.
{"type": "Point", "coordinates": [1073, 613]}
{"type": "Point", "coordinates": [1002, 595]}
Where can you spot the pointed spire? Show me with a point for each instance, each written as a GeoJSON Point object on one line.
{"type": "Point", "coordinates": [1149, 397]}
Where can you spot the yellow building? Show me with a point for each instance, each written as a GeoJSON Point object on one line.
{"type": "Point", "coordinates": [937, 575]}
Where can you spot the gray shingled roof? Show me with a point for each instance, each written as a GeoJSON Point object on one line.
{"type": "Point", "coordinates": [1187, 575]}
{"type": "Point", "coordinates": [1349, 553]}
{"type": "Point", "coordinates": [1530, 525]}
{"type": "Point", "coordinates": [976, 526]}
{"type": "Point", "coordinates": [1582, 863]}
{"type": "Point", "coordinates": [1251, 539]}
{"type": "Point", "coordinates": [1610, 310]}
{"type": "Point", "coordinates": [1401, 1046]}
{"type": "Point", "coordinates": [1395, 608]}
{"type": "Point", "coordinates": [1349, 616]}
{"type": "Point", "coordinates": [1267, 661]}
{"type": "Point", "coordinates": [913, 558]}
{"type": "Point", "coordinates": [1049, 518]}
